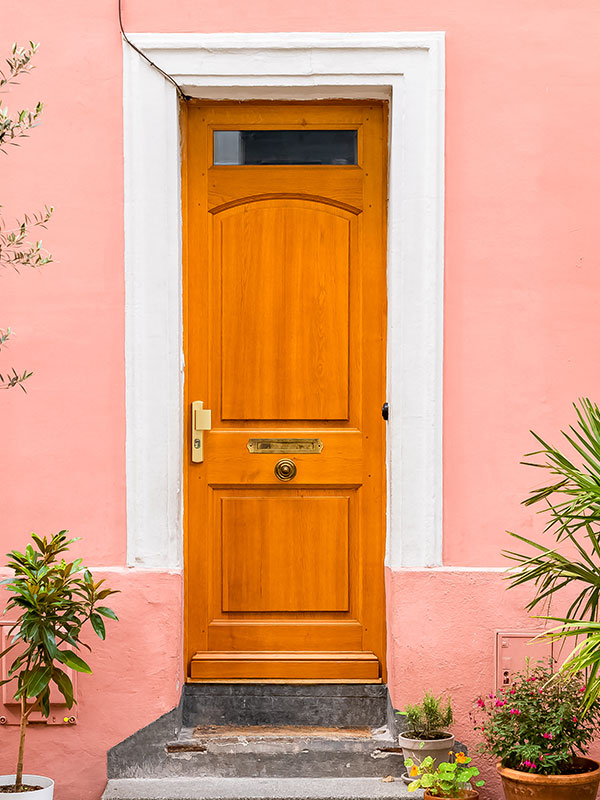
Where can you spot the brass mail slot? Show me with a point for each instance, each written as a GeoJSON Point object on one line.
{"type": "Point", "coordinates": [285, 445]}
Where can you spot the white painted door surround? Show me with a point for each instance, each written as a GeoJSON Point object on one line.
{"type": "Point", "coordinates": [408, 70]}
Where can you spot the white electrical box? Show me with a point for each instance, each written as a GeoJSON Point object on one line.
{"type": "Point", "coordinates": [513, 648]}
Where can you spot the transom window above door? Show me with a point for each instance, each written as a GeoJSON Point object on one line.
{"type": "Point", "coordinates": [290, 147]}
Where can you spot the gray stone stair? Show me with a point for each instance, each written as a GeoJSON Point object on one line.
{"type": "Point", "coordinates": [338, 705]}
{"type": "Point", "coordinates": [267, 753]}
{"type": "Point", "coordinates": [230, 742]}
{"type": "Point", "coordinates": [255, 789]}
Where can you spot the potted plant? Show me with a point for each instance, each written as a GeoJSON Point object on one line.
{"type": "Point", "coordinates": [54, 599]}
{"type": "Point", "coordinates": [445, 779]}
{"type": "Point", "coordinates": [571, 505]}
{"type": "Point", "coordinates": [426, 729]}
{"type": "Point", "coordinates": [537, 731]}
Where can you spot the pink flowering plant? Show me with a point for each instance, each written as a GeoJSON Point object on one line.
{"type": "Point", "coordinates": [537, 723]}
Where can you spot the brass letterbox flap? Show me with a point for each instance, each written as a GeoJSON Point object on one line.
{"type": "Point", "coordinates": [285, 445]}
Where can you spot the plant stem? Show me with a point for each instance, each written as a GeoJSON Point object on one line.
{"type": "Point", "coordinates": [24, 715]}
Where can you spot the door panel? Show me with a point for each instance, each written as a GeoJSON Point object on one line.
{"type": "Point", "coordinates": [284, 315]}
{"type": "Point", "coordinates": [307, 534]}
{"type": "Point", "coordinates": [224, 189]}
{"type": "Point", "coordinates": [332, 636]}
{"type": "Point", "coordinates": [295, 317]}
{"type": "Point", "coordinates": [341, 461]}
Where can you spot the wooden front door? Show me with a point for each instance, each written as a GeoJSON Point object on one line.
{"type": "Point", "coordinates": [285, 340]}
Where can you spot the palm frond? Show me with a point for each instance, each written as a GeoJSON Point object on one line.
{"type": "Point", "coordinates": [571, 507]}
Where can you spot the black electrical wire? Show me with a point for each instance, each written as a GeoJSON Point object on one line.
{"type": "Point", "coordinates": [180, 92]}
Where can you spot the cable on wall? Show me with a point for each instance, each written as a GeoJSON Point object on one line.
{"type": "Point", "coordinates": [180, 92]}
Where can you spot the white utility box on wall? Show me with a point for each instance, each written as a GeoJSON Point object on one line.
{"type": "Point", "coordinates": [513, 648]}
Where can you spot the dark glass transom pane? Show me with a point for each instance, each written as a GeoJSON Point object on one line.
{"type": "Point", "coordinates": [284, 147]}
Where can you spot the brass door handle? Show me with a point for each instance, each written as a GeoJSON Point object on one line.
{"type": "Point", "coordinates": [201, 421]}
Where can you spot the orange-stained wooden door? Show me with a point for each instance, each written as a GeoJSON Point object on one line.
{"type": "Point", "coordinates": [285, 307]}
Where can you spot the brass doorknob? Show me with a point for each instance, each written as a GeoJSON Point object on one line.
{"type": "Point", "coordinates": [285, 469]}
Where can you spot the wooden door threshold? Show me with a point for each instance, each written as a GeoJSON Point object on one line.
{"type": "Point", "coordinates": [285, 667]}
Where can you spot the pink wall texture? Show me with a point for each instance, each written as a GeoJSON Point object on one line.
{"type": "Point", "coordinates": [521, 288]}
{"type": "Point", "coordinates": [441, 626]}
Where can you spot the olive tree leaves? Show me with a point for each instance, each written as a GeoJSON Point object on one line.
{"type": "Point", "coordinates": [16, 248]}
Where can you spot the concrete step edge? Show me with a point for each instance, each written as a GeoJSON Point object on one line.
{"type": "Point", "coordinates": [255, 789]}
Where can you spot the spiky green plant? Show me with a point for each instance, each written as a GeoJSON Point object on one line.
{"type": "Point", "coordinates": [571, 509]}
{"type": "Point", "coordinates": [428, 719]}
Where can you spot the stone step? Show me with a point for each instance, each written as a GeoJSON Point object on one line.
{"type": "Point", "coordinates": [285, 752]}
{"type": "Point", "coordinates": [232, 734]}
{"type": "Point", "coordinates": [268, 752]}
{"type": "Point", "coordinates": [338, 705]}
{"type": "Point", "coordinates": [266, 731]}
{"type": "Point", "coordinates": [256, 789]}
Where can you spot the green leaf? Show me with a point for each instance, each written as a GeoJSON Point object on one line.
{"type": "Point", "coordinates": [8, 649]}
{"type": "Point", "coordinates": [106, 593]}
{"type": "Point", "coordinates": [50, 642]}
{"type": "Point", "coordinates": [108, 612]}
{"type": "Point", "coordinates": [44, 701]}
{"type": "Point", "coordinates": [64, 684]}
{"type": "Point", "coordinates": [73, 661]}
{"type": "Point", "coordinates": [98, 625]}
{"type": "Point", "coordinates": [36, 681]}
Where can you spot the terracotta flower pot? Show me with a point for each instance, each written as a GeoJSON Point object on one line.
{"type": "Point", "coordinates": [418, 749]}
{"type": "Point", "coordinates": [466, 794]}
{"type": "Point", "coordinates": [580, 786]}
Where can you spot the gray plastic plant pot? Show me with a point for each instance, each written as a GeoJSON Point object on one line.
{"type": "Point", "coordinates": [419, 749]}
{"type": "Point", "coordinates": [45, 793]}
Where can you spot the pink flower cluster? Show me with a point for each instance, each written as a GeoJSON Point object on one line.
{"type": "Point", "coordinates": [515, 711]}
{"type": "Point", "coordinates": [530, 764]}
{"type": "Point", "coordinates": [547, 735]}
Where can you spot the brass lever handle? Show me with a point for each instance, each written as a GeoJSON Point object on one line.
{"type": "Point", "coordinates": [201, 421]}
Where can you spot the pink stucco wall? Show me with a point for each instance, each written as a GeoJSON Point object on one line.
{"type": "Point", "coordinates": [441, 627]}
{"type": "Point", "coordinates": [522, 243]}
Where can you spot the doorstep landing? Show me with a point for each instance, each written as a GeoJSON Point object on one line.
{"type": "Point", "coordinates": [279, 732]}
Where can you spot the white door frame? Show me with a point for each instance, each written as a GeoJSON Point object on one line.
{"type": "Point", "coordinates": [408, 70]}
